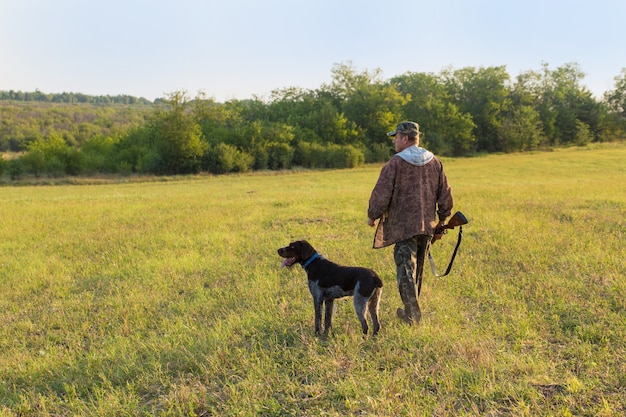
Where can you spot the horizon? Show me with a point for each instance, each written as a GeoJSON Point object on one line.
{"type": "Point", "coordinates": [597, 95]}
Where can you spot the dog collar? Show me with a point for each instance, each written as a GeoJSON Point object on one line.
{"type": "Point", "coordinates": [311, 259]}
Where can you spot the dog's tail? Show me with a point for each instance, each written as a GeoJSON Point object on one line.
{"type": "Point", "coordinates": [378, 283]}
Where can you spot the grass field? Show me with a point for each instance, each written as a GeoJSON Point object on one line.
{"type": "Point", "coordinates": [167, 298]}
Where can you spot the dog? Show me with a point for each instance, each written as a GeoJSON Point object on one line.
{"type": "Point", "coordinates": [328, 281]}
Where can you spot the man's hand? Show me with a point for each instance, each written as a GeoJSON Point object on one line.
{"type": "Point", "coordinates": [439, 231]}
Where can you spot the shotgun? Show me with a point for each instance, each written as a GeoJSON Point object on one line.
{"type": "Point", "coordinates": [457, 219]}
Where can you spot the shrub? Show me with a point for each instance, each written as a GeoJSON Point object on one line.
{"type": "Point", "coordinates": [55, 167]}
{"type": "Point", "coordinates": [378, 152]}
{"type": "Point", "coordinates": [225, 158]}
{"type": "Point", "coordinates": [52, 156]}
{"type": "Point", "coordinates": [150, 162]}
{"type": "Point", "coordinates": [261, 158]}
{"type": "Point", "coordinates": [73, 161]}
{"type": "Point", "coordinates": [309, 155]}
{"type": "Point", "coordinates": [15, 168]}
{"type": "Point", "coordinates": [98, 155]}
{"type": "Point", "coordinates": [34, 162]}
{"type": "Point", "coordinates": [93, 163]}
{"type": "Point", "coordinates": [280, 156]}
{"type": "Point", "coordinates": [315, 155]}
{"type": "Point", "coordinates": [124, 168]}
{"type": "Point", "coordinates": [583, 134]}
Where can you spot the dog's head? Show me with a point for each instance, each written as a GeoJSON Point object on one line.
{"type": "Point", "coordinates": [296, 252]}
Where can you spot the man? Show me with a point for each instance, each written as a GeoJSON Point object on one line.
{"type": "Point", "coordinates": [412, 200]}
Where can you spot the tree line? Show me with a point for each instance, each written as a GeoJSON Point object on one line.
{"type": "Point", "coordinates": [343, 124]}
{"type": "Point", "coordinates": [66, 97]}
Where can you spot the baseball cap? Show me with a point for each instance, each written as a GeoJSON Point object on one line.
{"type": "Point", "coordinates": [410, 128]}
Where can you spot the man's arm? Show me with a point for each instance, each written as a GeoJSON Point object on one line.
{"type": "Point", "coordinates": [381, 194]}
{"type": "Point", "coordinates": [444, 198]}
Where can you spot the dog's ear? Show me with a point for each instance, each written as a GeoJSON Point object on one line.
{"type": "Point", "coordinates": [306, 250]}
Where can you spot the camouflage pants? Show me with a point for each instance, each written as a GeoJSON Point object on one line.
{"type": "Point", "coordinates": [409, 256]}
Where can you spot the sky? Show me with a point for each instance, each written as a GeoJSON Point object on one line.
{"type": "Point", "coordinates": [241, 49]}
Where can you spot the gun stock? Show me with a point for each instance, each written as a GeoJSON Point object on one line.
{"type": "Point", "coordinates": [457, 219]}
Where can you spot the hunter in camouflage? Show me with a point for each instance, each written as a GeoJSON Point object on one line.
{"type": "Point", "coordinates": [410, 200]}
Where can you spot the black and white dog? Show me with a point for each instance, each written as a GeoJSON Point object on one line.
{"type": "Point", "coordinates": [328, 281]}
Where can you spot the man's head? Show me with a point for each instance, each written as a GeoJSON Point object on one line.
{"type": "Point", "coordinates": [411, 129]}
{"type": "Point", "coordinates": [405, 135]}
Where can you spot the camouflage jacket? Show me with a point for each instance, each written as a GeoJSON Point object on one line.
{"type": "Point", "coordinates": [408, 197]}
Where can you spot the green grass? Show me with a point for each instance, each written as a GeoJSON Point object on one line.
{"type": "Point", "coordinates": [167, 298]}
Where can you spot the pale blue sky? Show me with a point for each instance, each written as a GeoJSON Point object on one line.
{"type": "Point", "coordinates": [234, 49]}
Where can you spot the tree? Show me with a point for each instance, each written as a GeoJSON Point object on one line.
{"type": "Point", "coordinates": [483, 94]}
{"type": "Point", "coordinates": [521, 129]}
{"type": "Point", "coordinates": [374, 106]}
{"type": "Point", "coordinates": [583, 134]}
{"type": "Point", "coordinates": [616, 104]}
{"type": "Point", "coordinates": [98, 154]}
{"type": "Point", "coordinates": [315, 116]}
{"type": "Point", "coordinates": [51, 155]}
{"type": "Point", "coordinates": [224, 158]}
{"type": "Point", "coordinates": [616, 101]}
{"type": "Point", "coordinates": [616, 98]}
{"type": "Point", "coordinates": [210, 115]}
{"type": "Point", "coordinates": [562, 101]}
{"type": "Point", "coordinates": [177, 138]}
{"type": "Point", "coordinates": [447, 130]}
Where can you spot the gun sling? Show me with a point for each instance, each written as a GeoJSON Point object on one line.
{"type": "Point", "coordinates": [456, 248]}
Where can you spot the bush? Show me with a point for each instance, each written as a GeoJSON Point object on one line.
{"type": "Point", "coordinates": [261, 158]}
{"type": "Point", "coordinates": [224, 158]}
{"type": "Point", "coordinates": [34, 162]}
{"type": "Point", "coordinates": [94, 163]}
{"type": "Point", "coordinates": [15, 168]}
{"type": "Point", "coordinates": [73, 162]}
{"type": "Point", "coordinates": [98, 155]}
{"type": "Point", "coordinates": [150, 163]}
{"type": "Point", "coordinates": [55, 167]}
{"type": "Point", "coordinates": [583, 134]}
{"type": "Point", "coordinates": [379, 152]}
{"type": "Point", "coordinates": [352, 156]}
{"type": "Point", "coordinates": [309, 155]}
{"type": "Point", "coordinates": [124, 168]}
{"type": "Point", "coordinates": [52, 156]}
{"type": "Point", "coordinates": [280, 156]}
{"type": "Point", "coordinates": [315, 155]}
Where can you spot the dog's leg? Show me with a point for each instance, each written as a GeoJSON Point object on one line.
{"type": "Point", "coordinates": [318, 299]}
{"type": "Point", "coordinates": [360, 303]}
{"type": "Point", "coordinates": [372, 305]}
{"type": "Point", "coordinates": [317, 304]}
{"type": "Point", "coordinates": [328, 317]}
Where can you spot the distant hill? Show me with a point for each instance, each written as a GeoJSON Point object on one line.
{"type": "Point", "coordinates": [72, 98]}
{"type": "Point", "coordinates": [25, 117]}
